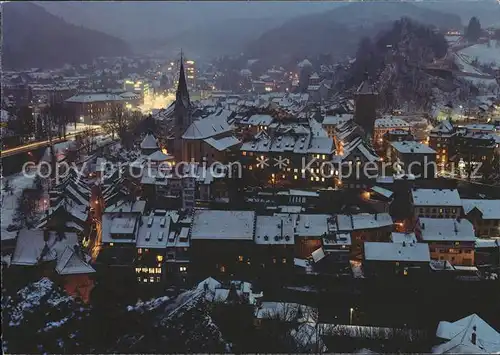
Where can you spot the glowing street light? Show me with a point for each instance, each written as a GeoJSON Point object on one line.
{"type": "Point", "coordinates": [351, 311]}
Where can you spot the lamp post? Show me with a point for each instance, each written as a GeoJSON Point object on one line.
{"type": "Point", "coordinates": [350, 315]}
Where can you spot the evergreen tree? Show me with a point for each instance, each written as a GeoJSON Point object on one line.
{"type": "Point", "coordinates": [473, 30]}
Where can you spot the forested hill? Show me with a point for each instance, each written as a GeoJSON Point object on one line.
{"type": "Point", "coordinates": [338, 31]}
{"type": "Point", "coordinates": [394, 60]}
{"type": "Point", "coordinates": [32, 37]}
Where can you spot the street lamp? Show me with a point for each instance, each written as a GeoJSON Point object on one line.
{"type": "Point", "coordinates": [350, 315]}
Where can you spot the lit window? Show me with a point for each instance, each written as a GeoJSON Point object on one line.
{"type": "Point", "coordinates": [139, 251]}
{"type": "Point", "coordinates": [284, 260]}
{"type": "Point", "coordinates": [405, 272]}
{"type": "Point", "coordinates": [222, 268]}
{"type": "Point", "coordinates": [151, 270]}
{"type": "Point", "coordinates": [244, 153]}
{"type": "Point", "coordinates": [139, 279]}
{"type": "Point", "coordinates": [145, 280]}
{"type": "Point", "coordinates": [312, 178]}
{"type": "Point", "coordinates": [111, 244]}
{"type": "Point", "coordinates": [151, 279]}
{"type": "Point", "coordinates": [137, 269]}
{"type": "Point", "coordinates": [159, 258]}
{"type": "Point", "coordinates": [157, 279]}
{"type": "Point", "coordinates": [240, 258]}
{"type": "Point", "coordinates": [295, 177]}
{"type": "Point", "coordinates": [146, 250]}
{"type": "Point", "coordinates": [144, 269]}
{"type": "Point", "coordinates": [274, 260]}
{"type": "Point", "coordinates": [324, 156]}
{"type": "Point", "coordinates": [158, 270]}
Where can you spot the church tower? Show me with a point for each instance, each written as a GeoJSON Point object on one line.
{"type": "Point", "coordinates": [182, 113]}
{"type": "Point", "coordinates": [365, 106]}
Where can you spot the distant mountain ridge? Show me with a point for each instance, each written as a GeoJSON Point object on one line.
{"type": "Point", "coordinates": [33, 37]}
{"type": "Point", "coordinates": [338, 31]}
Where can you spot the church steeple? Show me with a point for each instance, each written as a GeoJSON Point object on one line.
{"type": "Point", "coordinates": [182, 94]}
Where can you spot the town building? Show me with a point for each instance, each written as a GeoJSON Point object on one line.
{"type": "Point", "coordinates": [413, 158]}
{"type": "Point", "coordinates": [450, 239]}
{"type": "Point", "coordinates": [331, 122]}
{"type": "Point", "coordinates": [484, 215]}
{"type": "Point", "coordinates": [436, 203]}
{"type": "Point", "coordinates": [385, 125]}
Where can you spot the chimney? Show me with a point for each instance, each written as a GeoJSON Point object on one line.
{"type": "Point", "coordinates": [474, 336]}
{"type": "Point", "coordinates": [352, 221]}
{"type": "Point", "coordinates": [376, 216]}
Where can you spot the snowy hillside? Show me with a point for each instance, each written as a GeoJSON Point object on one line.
{"type": "Point", "coordinates": [484, 53]}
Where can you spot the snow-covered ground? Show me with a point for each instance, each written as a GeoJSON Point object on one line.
{"type": "Point", "coordinates": [483, 53]}
{"type": "Point", "coordinates": [18, 183]}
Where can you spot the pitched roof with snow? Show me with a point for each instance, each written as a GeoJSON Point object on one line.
{"type": "Point", "coordinates": [490, 209]}
{"type": "Point", "coordinates": [159, 156]}
{"type": "Point", "coordinates": [31, 247]}
{"type": "Point", "coordinates": [416, 252]}
{"type": "Point", "coordinates": [153, 232]}
{"type": "Point", "coordinates": [436, 197]}
{"type": "Point", "coordinates": [210, 126]}
{"type": "Point", "coordinates": [460, 337]}
{"type": "Point", "coordinates": [223, 143]}
{"type": "Point", "coordinates": [223, 225]}
{"type": "Point", "coordinates": [412, 147]}
{"type": "Point", "coordinates": [149, 142]}
{"type": "Point", "coordinates": [361, 221]}
{"type": "Point", "coordinates": [446, 229]}
{"type": "Point", "coordinates": [312, 225]}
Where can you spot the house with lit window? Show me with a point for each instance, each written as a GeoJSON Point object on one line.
{"type": "Point", "coordinates": [436, 203]}
{"type": "Point", "coordinates": [274, 243]}
{"type": "Point", "coordinates": [484, 215]}
{"type": "Point", "coordinates": [119, 226]}
{"type": "Point", "coordinates": [222, 241]}
{"type": "Point", "coordinates": [309, 232]}
{"type": "Point", "coordinates": [449, 239]}
{"type": "Point", "coordinates": [255, 123]}
{"type": "Point", "coordinates": [414, 158]}
{"type": "Point", "coordinates": [395, 258]}
{"type": "Point", "coordinates": [151, 245]}
{"type": "Point", "coordinates": [385, 125]}
{"type": "Point", "coordinates": [361, 227]}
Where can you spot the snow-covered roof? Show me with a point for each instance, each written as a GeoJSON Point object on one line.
{"type": "Point", "coordinates": [30, 244]}
{"type": "Point", "coordinates": [446, 229]}
{"type": "Point", "coordinates": [382, 191]}
{"type": "Point", "coordinates": [259, 120]}
{"type": "Point", "coordinates": [392, 122]}
{"type": "Point", "coordinates": [275, 230]}
{"type": "Point", "coordinates": [343, 239]}
{"type": "Point", "coordinates": [490, 209]}
{"type": "Point", "coordinates": [412, 147]}
{"type": "Point", "coordinates": [304, 63]}
{"type": "Point", "coordinates": [149, 142]}
{"type": "Point", "coordinates": [159, 156]}
{"type": "Point", "coordinates": [311, 225]}
{"type": "Point", "coordinates": [321, 145]}
{"type": "Point", "coordinates": [403, 237]}
{"type": "Point", "coordinates": [153, 232]}
{"type": "Point", "coordinates": [417, 252]}
{"type": "Point", "coordinates": [286, 312]}
{"type": "Point", "coordinates": [123, 225]}
{"type": "Point", "coordinates": [436, 197]}
{"type": "Point", "coordinates": [444, 127]}
{"type": "Point", "coordinates": [223, 143]}
{"type": "Point", "coordinates": [210, 126]}
{"type": "Point", "coordinates": [136, 207]}
{"type": "Point", "coordinates": [460, 336]}
{"type": "Point", "coordinates": [85, 98]}
{"type": "Point", "coordinates": [487, 243]}
{"type": "Point", "coordinates": [362, 221]}
{"type": "Point", "coordinates": [71, 263]}
{"type": "Point", "coordinates": [223, 225]}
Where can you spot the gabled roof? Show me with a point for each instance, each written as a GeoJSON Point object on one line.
{"type": "Point", "coordinates": [149, 142]}
{"type": "Point", "coordinates": [70, 263]}
{"type": "Point", "coordinates": [210, 126]}
{"type": "Point", "coordinates": [490, 209]}
{"type": "Point", "coordinates": [459, 334]}
{"type": "Point", "coordinates": [159, 156]}
{"type": "Point", "coordinates": [446, 229]}
{"type": "Point", "coordinates": [416, 252]}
